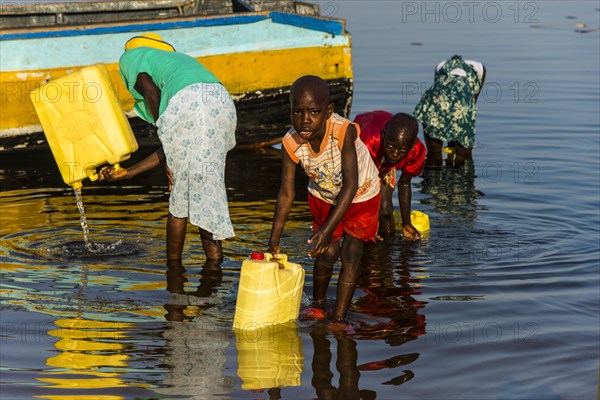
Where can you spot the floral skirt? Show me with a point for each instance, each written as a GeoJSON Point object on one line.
{"type": "Point", "coordinates": [197, 129]}
{"type": "Point", "coordinates": [447, 111]}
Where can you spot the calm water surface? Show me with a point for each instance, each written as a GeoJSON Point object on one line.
{"type": "Point", "coordinates": [499, 301]}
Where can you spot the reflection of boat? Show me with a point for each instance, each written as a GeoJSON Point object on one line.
{"type": "Point", "coordinates": [255, 51]}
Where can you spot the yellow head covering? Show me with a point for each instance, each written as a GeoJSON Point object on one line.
{"type": "Point", "coordinates": [148, 40]}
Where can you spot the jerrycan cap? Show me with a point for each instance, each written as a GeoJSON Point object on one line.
{"type": "Point", "coordinates": [256, 256]}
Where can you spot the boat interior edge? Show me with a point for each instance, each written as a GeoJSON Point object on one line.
{"type": "Point", "coordinates": [34, 15]}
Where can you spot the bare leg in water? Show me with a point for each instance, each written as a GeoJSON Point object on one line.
{"type": "Point", "coordinates": [434, 152]}
{"type": "Point", "coordinates": [176, 229]}
{"type": "Point", "coordinates": [213, 249]}
{"type": "Point", "coordinates": [323, 269]}
{"type": "Point", "coordinates": [352, 249]}
{"type": "Point", "coordinates": [461, 154]}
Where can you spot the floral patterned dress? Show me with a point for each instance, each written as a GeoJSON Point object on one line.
{"type": "Point", "coordinates": [197, 130]}
{"type": "Point", "coordinates": [447, 109]}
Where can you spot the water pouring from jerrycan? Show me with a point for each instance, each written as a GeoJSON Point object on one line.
{"type": "Point", "coordinates": [85, 127]}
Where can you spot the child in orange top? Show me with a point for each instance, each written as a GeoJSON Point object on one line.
{"type": "Point", "coordinates": [394, 146]}
{"type": "Point", "coordinates": [343, 188]}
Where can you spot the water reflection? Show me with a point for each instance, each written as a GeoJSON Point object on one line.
{"type": "Point", "coordinates": [269, 358]}
{"type": "Point", "coordinates": [453, 198]}
{"type": "Point", "coordinates": [390, 278]}
{"type": "Point", "coordinates": [452, 190]}
{"type": "Point", "coordinates": [92, 354]}
{"type": "Point", "coordinates": [194, 353]}
{"type": "Point", "coordinates": [346, 365]}
{"type": "Point", "coordinates": [178, 307]}
{"type": "Point", "coordinates": [90, 357]}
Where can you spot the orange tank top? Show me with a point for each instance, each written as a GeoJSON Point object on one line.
{"type": "Point", "coordinates": [324, 168]}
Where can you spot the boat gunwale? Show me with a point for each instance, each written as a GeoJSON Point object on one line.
{"type": "Point", "coordinates": [73, 7]}
{"type": "Point", "coordinates": [171, 23]}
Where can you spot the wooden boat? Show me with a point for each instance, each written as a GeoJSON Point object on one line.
{"type": "Point", "coordinates": [257, 48]}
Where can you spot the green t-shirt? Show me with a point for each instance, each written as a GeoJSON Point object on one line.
{"type": "Point", "coordinates": [170, 71]}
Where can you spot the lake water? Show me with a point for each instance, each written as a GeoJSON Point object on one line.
{"type": "Point", "coordinates": [499, 301]}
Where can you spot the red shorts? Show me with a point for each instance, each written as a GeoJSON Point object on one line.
{"type": "Point", "coordinates": [360, 221]}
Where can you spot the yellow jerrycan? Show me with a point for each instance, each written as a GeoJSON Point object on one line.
{"type": "Point", "coordinates": [267, 293]}
{"type": "Point", "coordinates": [269, 357]}
{"type": "Point", "coordinates": [84, 123]}
{"type": "Point", "coordinates": [420, 221]}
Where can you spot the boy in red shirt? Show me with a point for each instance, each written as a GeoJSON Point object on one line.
{"type": "Point", "coordinates": [393, 144]}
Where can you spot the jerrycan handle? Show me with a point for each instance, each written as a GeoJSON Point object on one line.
{"type": "Point", "coordinates": [280, 259]}
{"type": "Point", "coordinates": [281, 263]}
{"type": "Point", "coordinates": [94, 177]}
{"type": "Point", "coordinates": [277, 272]}
{"type": "Point", "coordinates": [258, 256]}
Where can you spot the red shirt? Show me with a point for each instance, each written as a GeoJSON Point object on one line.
{"type": "Point", "coordinates": [371, 125]}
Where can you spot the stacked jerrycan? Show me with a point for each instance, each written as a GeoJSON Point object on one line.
{"type": "Point", "coordinates": [84, 123]}
{"type": "Point", "coordinates": [269, 292]}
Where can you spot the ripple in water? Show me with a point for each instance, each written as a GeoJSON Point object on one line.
{"type": "Point", "coordinates": [88, 249]}
{"type": "Point", "coordinates": [93, 250]}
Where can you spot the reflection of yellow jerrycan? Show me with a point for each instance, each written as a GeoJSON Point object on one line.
{"type": "Point", "coordinates": [268, 294]}
{"type": "Point", "coordinates": [269, 357]}
{"type": "Point", "coordinates": [91, 356]}
{"type": "Point", "coordinates": [420, 221]}
{"type": "Point", "coordinates": [84, 123]}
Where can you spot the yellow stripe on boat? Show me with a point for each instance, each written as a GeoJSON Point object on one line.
{"type": "Point", "coordinates": [240, 73]}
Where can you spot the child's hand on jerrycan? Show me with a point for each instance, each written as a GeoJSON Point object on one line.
{"type": "Point", "coordinates": [274, 251]}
